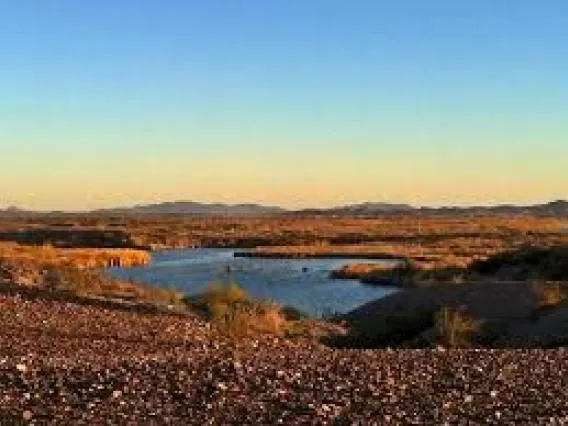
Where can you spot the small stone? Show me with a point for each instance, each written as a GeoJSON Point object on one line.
{"type": "Point", "coordinates": [493, 394]}
{"type": "Point", "coordinates": [117, 394]}
{"type": "Point", "coordinates": [21, 368]}
{"type": "Point", "coordinates": [27, 415]}
{"type": "Point", "coordinates": [468, 399]}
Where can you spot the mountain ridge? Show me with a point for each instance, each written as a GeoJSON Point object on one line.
{"type": "Point", "coordinates": [552, 208]}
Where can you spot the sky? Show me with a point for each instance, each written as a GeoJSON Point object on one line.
{"type": "Point", "coordinates": [290, 102]}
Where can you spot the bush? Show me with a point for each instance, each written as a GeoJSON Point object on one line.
{"type": "Point", "coordinates": [527, 263]}
{"type": "Point", "coordinates": [230, 308]}
{"type": "Point", "coordinates": [242, 321]}
{"type": "Point", "coordinates": [454, 327]}
{"type": "Point", "coordinates": [89, 283]}
{"type": "Point", "coordinates": [549, 294]}
{"type": "Point", "coordinates": [218, 294]}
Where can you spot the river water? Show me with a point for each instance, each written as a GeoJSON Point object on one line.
{"type": "Point", "coordinates": [301, 283]}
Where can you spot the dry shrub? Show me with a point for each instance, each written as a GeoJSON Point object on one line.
{"type": "Point", "coordinates": [90, 283]}
{"type": "Point", "coordinates": [244, 321]}
{"type": "Point", "coordinates": [549, 294]}
{"type": "Point", "coordinates": [269, 320]}
{"type": "Point", "coordinates": [454, 327]}
{"type": "Point", "coordinates": [230, 308]}
{"type": "Point", "coordinates": [217, 293]}
{"type": "Point", "coordinates": [361, 270]}
{"type": "Point", "coordinates": [159, 295]}
{"type": "Point", "coordinates": [86, 258]}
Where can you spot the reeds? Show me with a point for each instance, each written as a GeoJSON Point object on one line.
{"type": "Point", "coordinates": [454, 327]}
{"type": "Point", "coordinates": [86, 258]}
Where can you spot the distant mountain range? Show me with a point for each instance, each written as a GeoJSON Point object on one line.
{"type": "Point", "coordinates": [555, 208]}
{"type": "Point", "coordinates": [364, 209]}
{"type": "Point", "coordinates": [190, 207]}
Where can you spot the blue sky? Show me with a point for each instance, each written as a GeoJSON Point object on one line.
{"type": "Point", "coordinates": [290, 102]}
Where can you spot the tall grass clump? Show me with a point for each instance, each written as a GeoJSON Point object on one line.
{"type": "Point", "coordinates": [229, 307]}
{"type": "Point", "coordinates": [454, 327]}
{"type": "Point", "coordinates": [549, 294]}
{"type": "Point", "coordinates": [92, 283]}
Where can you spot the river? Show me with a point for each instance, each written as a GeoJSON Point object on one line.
{"type": "Point", "coordinates": [301, 283]}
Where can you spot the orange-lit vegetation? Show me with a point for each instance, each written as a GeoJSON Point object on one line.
{"type": "Point", "coordinates": [549, 294]}
{"type": "Point", "coordinates": [498, 257]}
{"type": "Point", "coordinates": [234, 313]}
{"type": "Point", "coordinates": [482, 233]}
{"type": "Point", "coordinates": [360, 270]}
{"type": "Point", "coordinates": [435, 245]}
{"type": "Point", "coordinates": [454, 327]}
{"type": "Point", "coordinates": [89, 283]}
{"type": "Point", "coordinates": [75, 271]}
{"type": "Point", "coordinates": [78, 257]}
{"type": "Point", "coordinates": [428, 253]}
{"type": "Point", "coordinates": [63, 281]}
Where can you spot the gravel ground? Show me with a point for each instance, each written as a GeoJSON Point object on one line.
{"type": "Point", "coordinates": [64, 363]}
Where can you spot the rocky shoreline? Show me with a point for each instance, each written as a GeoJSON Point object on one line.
{"type": "Point", "coordinates": [64, 363]}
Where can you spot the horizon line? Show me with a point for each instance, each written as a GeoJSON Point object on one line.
{"type": "Point", "coordinates": [288, 209]}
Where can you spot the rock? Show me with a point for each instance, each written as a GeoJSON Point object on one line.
{"type": "Point", "coordinates": [195, 375]}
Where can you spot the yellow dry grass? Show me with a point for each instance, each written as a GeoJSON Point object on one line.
{"type": "Point", "coordinates": [91, 283]}
{"type": "Point", "coordinates": [360, 270]}
{"type": "Point", "coordinates": [454, 327]}
{"type": "Point", "coordinates": [235, 314]}
{"type": "Point", "coordinates": [78, 257]}
{"type": "Point", "coordinates": [549, 294]}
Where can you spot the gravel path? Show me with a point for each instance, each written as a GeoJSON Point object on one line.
{"type": "Point", "coordinates": [63, 363]}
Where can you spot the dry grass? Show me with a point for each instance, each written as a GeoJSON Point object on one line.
{"type": "Point", "coordinates": [57, 271]}
{"type": "Point", "coordinates": [431, 243]}
{"type": "Point", "coordinates": [454, 327]}
{"type": "Point", "coordinates": [549, 294]}
{"type": "Point", "coordinates": [234, 313]}
{"type": "Point", "coordinates": [361, 270]}
{"type": "Point", "coordinates": [219, 294]}
{"type": "Point", "coordinates": [447, 252]}
{"type": "Point", "coordinates": [183, 231]}
{"type": "Point", "coordinates": [90, 283]}
{"type": "Point", "coordinates": [81, 258]}
{"type": "Point", "coordinates": [242, 322]}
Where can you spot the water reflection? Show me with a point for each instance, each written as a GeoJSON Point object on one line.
{"type": "Point", "coordinates": [301, 283]}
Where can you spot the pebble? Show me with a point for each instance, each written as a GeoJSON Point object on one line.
{"type": "Point", "coordinates": [189, 375]}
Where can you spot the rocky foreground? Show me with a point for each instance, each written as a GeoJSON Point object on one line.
{"type": "Point", "coordinates": [65, 363]}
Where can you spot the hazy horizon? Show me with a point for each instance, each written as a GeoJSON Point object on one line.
{"type": "Point", "coordinates": [289, 208]}
{"type": "Point", "coordinates": [290, 103]}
